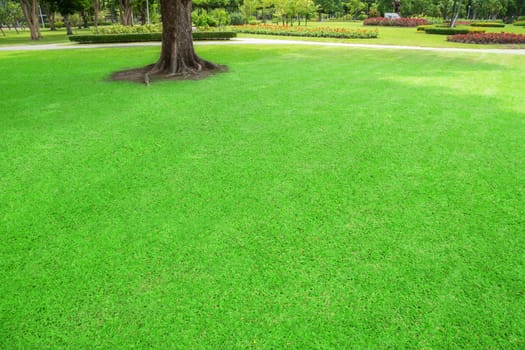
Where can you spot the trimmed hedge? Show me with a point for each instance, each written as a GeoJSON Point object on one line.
{"type": "Point", "coordinates": [143, 37]}
{"type": "Point", "coordinates": [487, 24]}
{"type": "Point", "coordinates": [519, 23]}
{"type": "Point", "coordinates": [452, 31]}
{"type": "Point", "coordinates": [488, 38]}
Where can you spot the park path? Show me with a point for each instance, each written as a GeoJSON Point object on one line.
{"type": "Point", "coordinates": [255, 41]}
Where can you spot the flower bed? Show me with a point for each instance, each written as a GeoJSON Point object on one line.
{"type": "Point", "coordinates": [398, 22]}
{"type": "Point", "coordinates": [488, 38]}
{"type": "Point", "coordinates": [319, 32]}
{"type": "Point", "coordinates": [488, 24]}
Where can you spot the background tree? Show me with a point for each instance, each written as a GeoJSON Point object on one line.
{"type": "Point", "coordinates": [30, 10]}
{"type": "Point", "coordinates": [126, 12]}
{"type": "Point", "coordinates": [96, 11]}
{"type": "Point", "coordinates": [249, 9]}
{"type": "Point", "coordinates": [10, 14]}
{"type": "Point", "coordinates": [305, 9]}
{"type": "Point", "coordinates": [67, 8]}
{"type": "Point", "coordinates": [50, 8]}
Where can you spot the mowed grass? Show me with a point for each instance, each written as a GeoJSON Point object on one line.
{"type": "Point", "coordinates": [23, 37]}
{"type": "Point", "coordinates": [308, 198]}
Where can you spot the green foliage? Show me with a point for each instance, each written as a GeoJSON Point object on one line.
{"type": "Point", "coordinates": [144, 37]}
{"type": "Point", "coordinates": [221, 16]}
{"type": "Point", "coordinates": [218, 17]}
{"type": "Point", "coordinates": [10, 13]}
{"type": "Point", "coordinates": [201, 19]}
{"type": "Point", "coordinates": [236, 18]}
{"type": "Point", "coordinates": [519, 23]}
{"type": "Point", "coordinates": [362, 16]}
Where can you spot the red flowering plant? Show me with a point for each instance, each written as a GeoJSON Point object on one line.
{"type": "Point", "coordinates": [488, 38]}
{"type": "Point", "coordinates": [395, 22]}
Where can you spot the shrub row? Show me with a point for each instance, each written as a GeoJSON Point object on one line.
{"type": "Point", "coordinates": [399, 22]}
{"type": "Point", "coordinates": [320, 32]}
{"type": "Point", "coordinates": [452, 31]}
{"type": "Point", "coordinates": [142, 37]}
{"type": "Point", "coordinates": [488, 38]}
{"type": "Point", "coordinates": [120, 29]}
{"type": "Point", "coordinates": [519, 23]}
{"type": "Point", "coordinates": [488, 24]}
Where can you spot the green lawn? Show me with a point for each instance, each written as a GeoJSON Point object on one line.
{"type": "Point", "coordinates": [48, 37]}
{"type": "Point", "coordinates": [309, 198]}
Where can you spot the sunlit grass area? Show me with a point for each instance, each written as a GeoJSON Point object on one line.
{"type": "Point", "coordinates": [308, 198]}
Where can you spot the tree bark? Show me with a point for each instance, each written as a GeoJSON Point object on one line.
{"type": "Point", "coordinates": [126, 17]}
{"type": "Point", "coordinates": [30, 8]}
{"type": "Point", "coordinates": [85, 18]}
{"type": "Point", "coordinates": [67, 22]}
{"type": "Point", "coordinates": [95, 10]}
{"type": "Point", "coordinates": [51, 18]}
{"type": "Point", "coordinates": [456, 15]}
{"type": "Point", "coordinates": [177, 56]}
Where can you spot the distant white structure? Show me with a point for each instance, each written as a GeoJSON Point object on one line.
{"type": "Point", "coordinates": [392, 15]}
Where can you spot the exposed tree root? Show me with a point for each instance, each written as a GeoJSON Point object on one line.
{"type": "Point", "coordinates": [152, 73]}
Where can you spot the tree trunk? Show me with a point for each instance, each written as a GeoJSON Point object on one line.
{"type": "Point", "coordinates": [177, 56]}
{"type": "Point", "coordinates": [95, 10]}
{"type": "Point", "coordinates": [30, 7]}
{"type": "Point", "coordinates": [51, 18]}
{"type": "Point", "coordinates": [178, 59]}
{"type": "Point", "coordinates": [456, 15]}
{"type": "Point", "coordinates": [67, 22]}
{"type": "Point", "coordinates": [85, 18]}
{"type": "Point", "coordinates": [125, 12]}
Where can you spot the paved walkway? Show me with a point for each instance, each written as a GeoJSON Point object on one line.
{"type": "Point", "coordinates": [254, 41]}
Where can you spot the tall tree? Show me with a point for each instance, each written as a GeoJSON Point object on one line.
{"type": "Point", "coordinates": [178, 59]}
{"type": "Point", "coordinates": [50, 8]}
{"type": "Point", "coordinates": [10, 14]}
{"type": "Point", "coordinates": [96, 10]}
{"type": "Point", "coordinates": [66, 9]}
{"type": "Point", "coordinates": [30, 10]}
{"type": "Point", "coordinates": [177, 56]}
{"type": "Point", "coordinates": [457, 10]}
{"type": "Point", "coordinates": [126, 12]}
